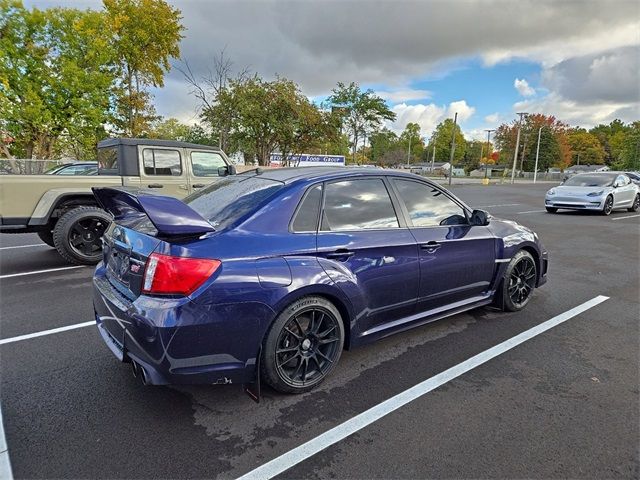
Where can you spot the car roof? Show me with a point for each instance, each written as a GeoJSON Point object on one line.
{"type": "Point", "coordinates": [112, 142]}
{"type": "Point", "coordinates": [289, 175]}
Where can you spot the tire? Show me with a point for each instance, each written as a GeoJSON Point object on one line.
{"type": "Point", "coordinates": [47, 237]}
{"type": "Point", "coordinates": [77, 235]}
{"type": "Point", "coordinates": [608, 206]}
{"type": "Point", "coordinates": [519, 281]}
{"type": "Point", "coordinates": [551, 209]}
{"type": "Point", "coordinates": [309, 333]}
{"type": "Point", "coordinates": [636, 204]}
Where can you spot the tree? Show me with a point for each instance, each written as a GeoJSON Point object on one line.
{"type": "Point", "coordinates": [56, 77]}
{"type": "Point", "coordinates": [611, 137]}
{"type": "Point", "coordinates": [145, 35]}
{"type": "Point", "coordinates": [207, 90]}
{"type": "Point", "coordinates": [382, 142]}
{"type": "Point", "coordinates": [585, 147]}
{"type": "Point", "coordinates": [630, 148]}
{"type": "Point", "coordinates": [362, 112]}
{"type": "Point", "coordinates": [410, 140]}
{"type": "Point", "coordinates": [441, 138]}
{"type": "Point", "coordinates": [475, 154]}
{"type": "Point", "coordinates": [554, 148]}
{"type": "Point", "coordinates": [170, 129]}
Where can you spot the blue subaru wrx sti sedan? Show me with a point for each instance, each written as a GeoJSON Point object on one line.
{"type": "Point", "coordinates": [270, 274]}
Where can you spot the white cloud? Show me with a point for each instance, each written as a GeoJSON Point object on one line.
{"type": "Point", "coordinates": [406, 95]}
{"type": "Point", "coordinates": [492, 118]}
{"type": "Point", "coordinates": [523, 87]}
{"type": "Point", "coordinates": [428, 116]}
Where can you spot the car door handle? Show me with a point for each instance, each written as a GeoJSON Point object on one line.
{"type": "Point", "coordinates": [341, 254]}
{"type": "Point", "coordinates": [198, 185]}
{"type": "Point", "coordinates": [155, 185]}
{"type": "Point", "coordinates": [431, 246]}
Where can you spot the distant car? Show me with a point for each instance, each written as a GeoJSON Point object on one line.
{"type": "Point", "coordinates": [76, 168]}
{"type": "Point", "coordinates": [603, 192]}
{"type": "Point", "coordinates": [634, 176]}
{"type": "Point", "coordinates": [272, 273]}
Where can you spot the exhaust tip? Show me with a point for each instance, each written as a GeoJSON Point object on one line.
{"type": "Point", "coordinates": [135, 369]}
{"type": "Point", "coordinates": [143, 375]}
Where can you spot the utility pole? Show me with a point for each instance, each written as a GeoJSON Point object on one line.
{"type": "Point", "coordinates": [433, 158]}
{"type": "Point", "coordinates": [488, 130]}
{"type": "Point", "coordinates": [524, 147]}
{"type": "Point", "coordinates": [515, 153]}
{"type": "Point", "coordinates": [535, 169]}
{"type": "Point", "coordinates": [453, 146]}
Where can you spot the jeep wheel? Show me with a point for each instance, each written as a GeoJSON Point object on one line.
{"type": "Point", "coordinates": [78, 235]}
{"type": "Point", "coordinates": [47, 237]}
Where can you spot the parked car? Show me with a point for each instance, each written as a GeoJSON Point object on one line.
{"type": "Point", "coordinates": [76, 168]}
{"type": "Point", "coordinates": [603, 192]}
{"type": "Point", "coordinates": [272, 273]}
{"type": "Point", "coordinates": [634, 177]}
{"type": "Point", "coordinates": [62, 210]}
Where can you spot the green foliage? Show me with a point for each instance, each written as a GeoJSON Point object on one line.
{"type": "Point", "coordinates": [586, 148]}
{"type": "Point", "coordinates": [362, 113]}
{"type": "Point", "coordinates": [56, 77]}
{"type": "Point", "coordinates": [441, 138]}
{"type": "Point", "coordinates": [145, 35]}
{"type": "Point", "coordinates": [264, 116]}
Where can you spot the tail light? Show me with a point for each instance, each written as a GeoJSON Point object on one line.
{"type": "Point", "coordinates": [165, 274]}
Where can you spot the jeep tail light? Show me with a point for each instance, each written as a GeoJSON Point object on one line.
{"type": "Point", "coordinates": [169, 275]}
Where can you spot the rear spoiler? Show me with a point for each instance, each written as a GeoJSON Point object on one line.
{"type": "Point", "coordinates": [169, 215]}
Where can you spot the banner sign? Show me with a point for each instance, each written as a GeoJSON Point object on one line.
{"type": "Point", "coordinates": [305, 160]}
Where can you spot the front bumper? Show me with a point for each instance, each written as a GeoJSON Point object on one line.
{"type": "Point", "coordinates": [574, 203]}
{"type": "Point", "coordinates": [173, 340]}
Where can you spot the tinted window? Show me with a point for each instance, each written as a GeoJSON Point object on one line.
{"type": "Point", "coordinates": [306, 219]}
{"type": "Point", "coordinates": [205, 164]}
{"type": "Point", "coordinates": [429, 206]}
{"type": "Point", "coordinates": [108, 158]}
{"type": "Point", "coordinates": [230, 198]}
{"type": "Point", "coordinates": [357, 205]}
{"type": "Point", "coordinates": [161, 162]}
{"type": "Point", "coordinates": [595, 180]}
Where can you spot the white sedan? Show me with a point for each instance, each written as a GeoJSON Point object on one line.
{"type": "Point", "coordinates": [602, 191]}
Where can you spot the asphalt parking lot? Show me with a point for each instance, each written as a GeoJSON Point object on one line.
{"type": "Point", "coordinates": [566, 403]}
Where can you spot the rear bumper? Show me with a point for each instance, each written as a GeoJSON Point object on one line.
{"type": "Point", "coordinates": [174, 340]}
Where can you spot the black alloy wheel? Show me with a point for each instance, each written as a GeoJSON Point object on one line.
{"type": "Point", "coordinates": [519, 281]}
{"type": "Point", "coordinates": [636, 204]}
{"type": "Point", "coordinates": [303, 345]}
{"type": "Point", "coordinates": [78, 234]}
{"type": "Point", "coordinates": [608, 206]}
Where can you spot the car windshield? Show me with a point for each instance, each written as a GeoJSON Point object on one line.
{"type": "Point", "coordinates": [228, 199]}
{"type": "Point", "coordinates": [590, 181]}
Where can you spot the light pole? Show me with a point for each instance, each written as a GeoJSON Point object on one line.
{"type": "Point", "coordinates": [433, 157]}
{"type": "Point", "coordinates": [453, 146]}
{"type": "Point", "coordinates": [488, 130]}
{"type": "Point", "coordinates": [515, 154]}
{"type": "Point", "coordinates": [535, 169]}
{"type": "Point", "coordinates": [409, 153]}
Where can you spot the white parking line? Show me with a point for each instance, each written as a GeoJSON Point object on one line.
{"type": "Point", "coordinates": [46, 332]}
{"type": "Point", "coordinates": [503, 205]}
{"type": "Point", "coordinates": [26, 246]}
{"type": "Point", "coordinates": [628, 216]}
{"type": "Point", "coordinates": [342, 431]}
{"type": "Point", "coordinates": [5, 464]}
{"type": "Point", "coordinates": [531, 211]}
{"type": "Point", "coordinates": [35, 272]}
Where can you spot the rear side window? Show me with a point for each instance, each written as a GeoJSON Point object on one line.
{"type": "Point", "coordinates": [358, 205]}
{"type": "Point", "coordinates": [206, 164]}
{"type": "Point", "coordinates": [108, 158]}
{"type": "Point", "coordinates": [230, 198]}
{"type": "Point", "coordinates": [428, 206]}
{"type": "Point", "coordinates": [306, 217]}
{"type": "Point", "coordinates": [161, 162]}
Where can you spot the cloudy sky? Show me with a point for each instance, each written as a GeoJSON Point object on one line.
{"type": "Point", "coordinates": [484, 59]}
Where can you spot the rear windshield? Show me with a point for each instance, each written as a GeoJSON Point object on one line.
{"type": "Point", "coordinates": [590, 181]}
{"type": "Point", "coordinates": [230, 198]}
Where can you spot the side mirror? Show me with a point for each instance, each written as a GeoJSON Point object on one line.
{"type": "Point", "coordinates": [227, 170]}
{"type": "Point", "coordinates": [479, 217]}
